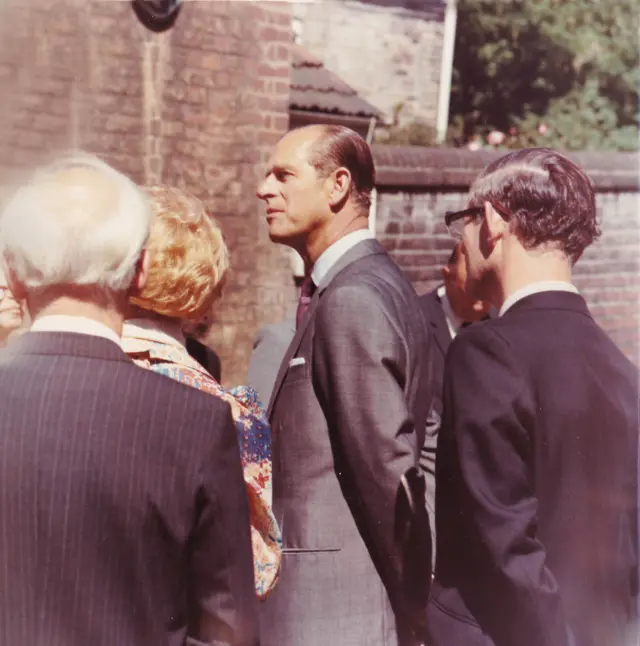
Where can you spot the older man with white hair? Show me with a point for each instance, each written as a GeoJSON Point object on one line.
{"type": "Point", "coordinates": [123, 514]}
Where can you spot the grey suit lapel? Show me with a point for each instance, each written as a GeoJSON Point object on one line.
{"type": "Point", "coordinates": [359, 251]}
{"type": "Point", "coordinates": [291, 350]}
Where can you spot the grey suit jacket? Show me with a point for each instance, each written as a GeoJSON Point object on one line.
{"type": "Point", "coordinates": [348, 419]}
{"type": "Point", "coordinates": [269, 347]}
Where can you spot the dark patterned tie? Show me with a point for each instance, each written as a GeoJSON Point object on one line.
{"type": "Point", "coordinates": [306, 292]}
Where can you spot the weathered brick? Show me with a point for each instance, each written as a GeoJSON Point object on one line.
{"type": "Point", "coordinates": [269, 138]}
{"type": "Point", "coordinates": [281, 122]}
{"type": "Point", "coordinates": [413, 242]}
{"type": "Point", "coordinates": [222, 80]}
{"type": "Point", "coordinates": [274, 71]}
{"type": "Point", "coordinates": [417, 259]}
{"type": "Point", "coordinates": [205, 61]}
{"type": "Point", "coordinates": [121, 124]}
{"type": "Point", "coordinates": [104, 25]}
{"type": "Point", "coordinates": [273, 34]}
{"type": "Point", "coordinates": [196, 95]}
{"type": "Point", "coordinates": [194, 76]}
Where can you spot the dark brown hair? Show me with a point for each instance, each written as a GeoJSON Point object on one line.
{"type": "Point", "coordinates": [340, 147]}
{"type": "Point", "coordinates": [550, 199]}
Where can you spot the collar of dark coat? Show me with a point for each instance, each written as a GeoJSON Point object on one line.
{"type": "Point", "coordinates": [65, 344]}
{"type": "Point", "coordinates": [357, 252]}
{"type": "Point", "coordinates": [552, 300]}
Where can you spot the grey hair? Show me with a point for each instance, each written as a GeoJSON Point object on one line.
{"type": "Point", "coordinates": [77, 221]}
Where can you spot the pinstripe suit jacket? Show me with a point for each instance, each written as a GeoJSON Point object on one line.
{"type": "Point", "coordinates": [123, 515]}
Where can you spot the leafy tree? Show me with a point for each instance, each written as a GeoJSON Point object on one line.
{"type": "Point", "coordinates": [570, 65]}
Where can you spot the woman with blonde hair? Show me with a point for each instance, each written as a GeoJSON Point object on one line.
{"type": "Point", "coordinates": [188, 261]}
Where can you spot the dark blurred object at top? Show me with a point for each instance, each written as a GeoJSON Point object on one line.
{"type": "Point", "coordinates": [157, 15]}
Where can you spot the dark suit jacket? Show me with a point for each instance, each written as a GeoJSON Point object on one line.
{"type": "Point", "coordinates": [206, 357]}
{"type": "Point", "coordinates": [435, 318]}
{"type": "Point", "coordinates": [537, 483]}
{"type": "Point", "coordinates": [123, 512]}
{"type": "Point", "coordinates": [348, 420]}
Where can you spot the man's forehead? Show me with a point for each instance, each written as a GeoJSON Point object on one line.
{"type": "Point", "coordinates": [294, 147]}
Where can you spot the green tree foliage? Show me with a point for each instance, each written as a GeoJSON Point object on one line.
{"type": "Point", "coordinates": [571, 65]}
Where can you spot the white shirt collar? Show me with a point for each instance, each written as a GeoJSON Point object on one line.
{"type": "Point", "coordinates": [77, 324]}
{"type": "Point", "coordinates": [536, 288]}
{"type": "Point", "coordinates": [453, 320]}
{"type": "Point", "coordinates": [168, 331]}
{"type": "Point", "coordinates": [332, 254]}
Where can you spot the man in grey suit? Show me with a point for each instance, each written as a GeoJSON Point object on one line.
{"type": "Point", "coordinates": [348, 411]}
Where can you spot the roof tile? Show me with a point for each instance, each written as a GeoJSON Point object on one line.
{"type": "Point", "coordinates": [314, 88]}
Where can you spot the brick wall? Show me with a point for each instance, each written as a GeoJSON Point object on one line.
{"type": "Point", "coordinates": [199, 106]}
{"type": "Point", "coordinates": [416, 186]}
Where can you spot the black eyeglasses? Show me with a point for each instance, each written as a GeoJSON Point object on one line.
{"type": "Point", "coordinates": [455, 220]}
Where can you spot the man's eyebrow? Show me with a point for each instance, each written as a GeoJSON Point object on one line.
{"type": "Point", "coordinates": [279, 168]}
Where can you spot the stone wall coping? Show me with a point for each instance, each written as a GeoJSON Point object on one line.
{"type": "Point", "coordinates": [417, 167]}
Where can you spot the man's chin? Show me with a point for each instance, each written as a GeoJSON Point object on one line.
{"type": "Point", "coordinates": [279, 237]}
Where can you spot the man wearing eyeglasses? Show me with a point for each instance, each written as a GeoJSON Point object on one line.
{"type": "Point", "coordinates": [537, 504]}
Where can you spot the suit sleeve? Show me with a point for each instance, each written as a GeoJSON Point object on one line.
{"type": "Point", "coordinates": [487, 462]}
{"type": "Point", "coordinates": [222, 590]}
{"type": "Point", "coordinates": [360, 367]}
